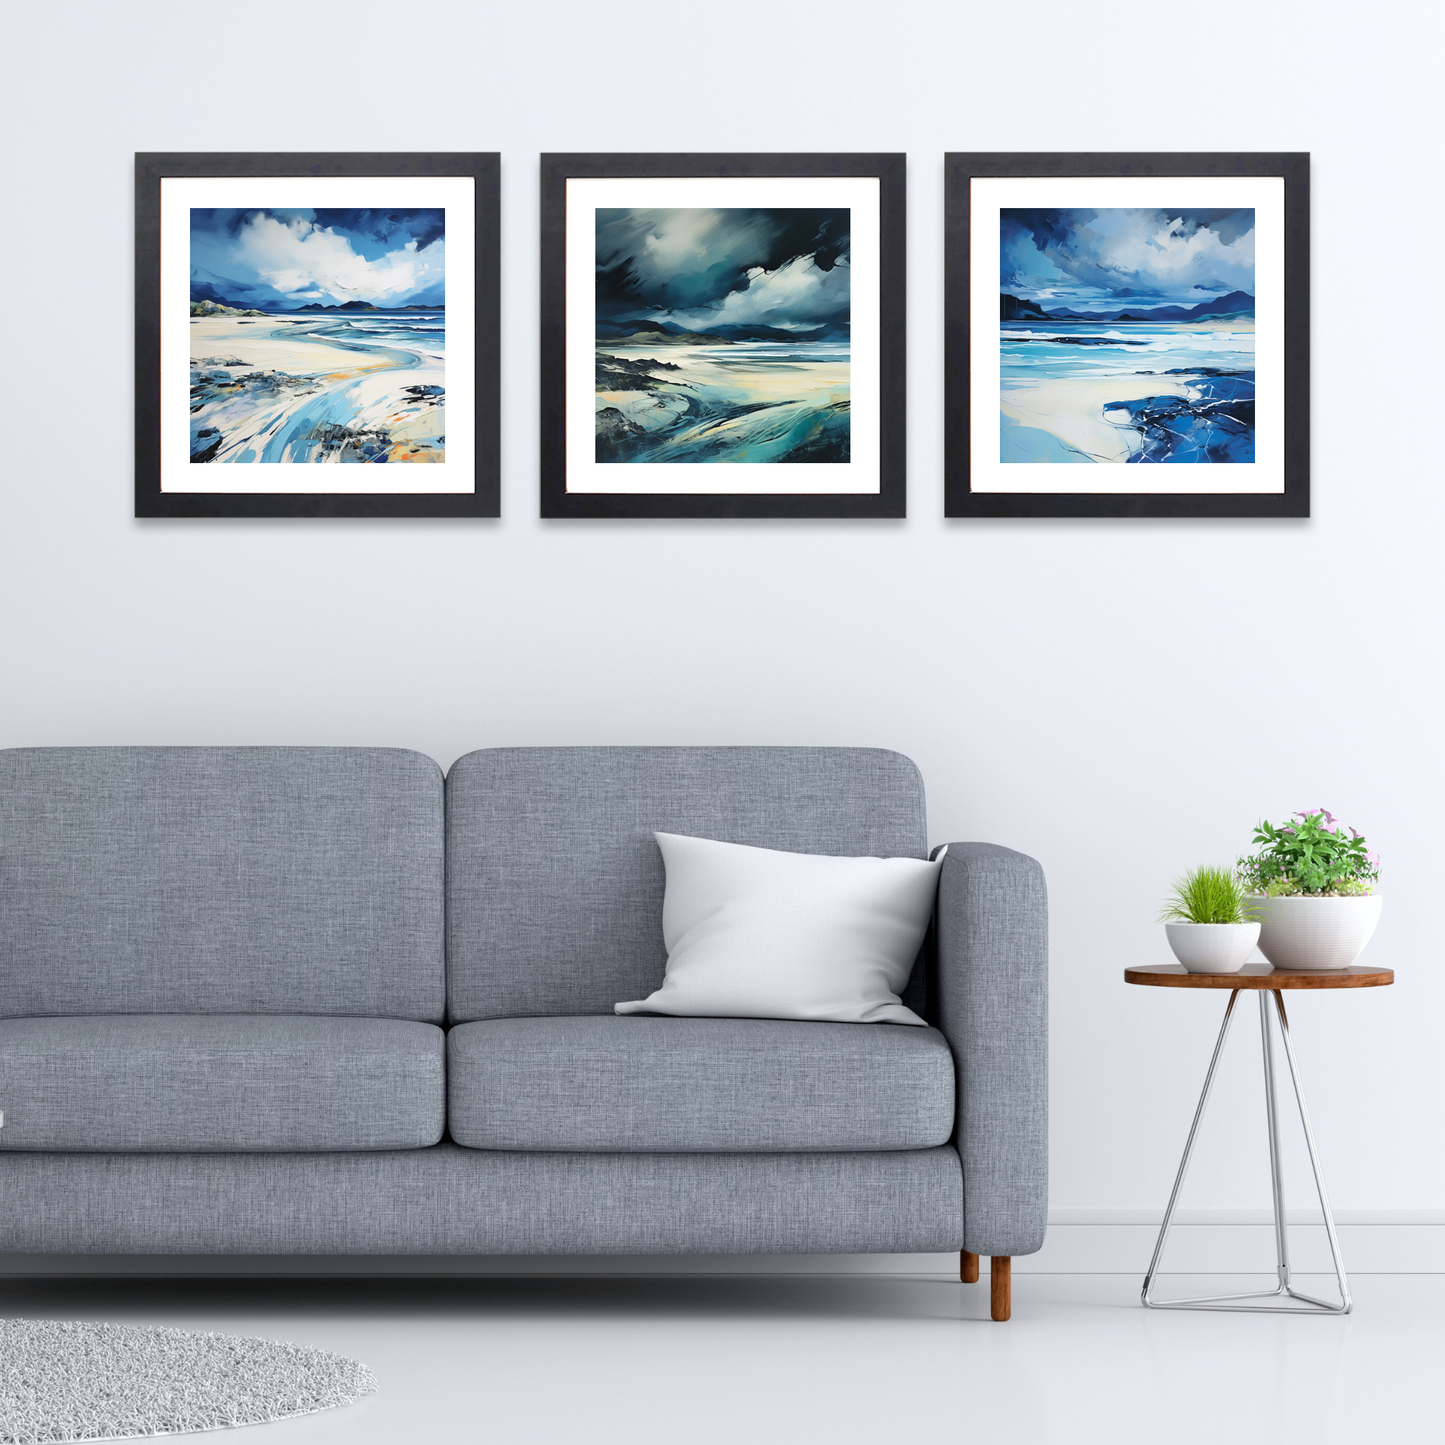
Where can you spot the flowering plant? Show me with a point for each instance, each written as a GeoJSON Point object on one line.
{"type": "Point", "coordinates": [1311, 857]}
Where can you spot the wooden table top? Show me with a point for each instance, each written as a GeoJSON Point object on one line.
{"type": "Point", "coordinates": [1261, 975]}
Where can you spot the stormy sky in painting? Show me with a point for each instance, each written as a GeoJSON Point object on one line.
{"type": "Point", "coordinates": [700, 268]}
{"type": "Point", "coordinates": [283, 259]}
{"type": "Point", "coordinates": [1095, 261]}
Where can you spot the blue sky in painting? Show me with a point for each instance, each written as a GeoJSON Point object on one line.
{"type": "Point", "coordinates": [281, 259]}
{"type": "Point", "coordinates": [1088, 260]}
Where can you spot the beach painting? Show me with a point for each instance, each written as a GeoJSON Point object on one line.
{"type": "Point", "coordinates": [723, 335]}
{"type": "Point", "coordinates": [317, 335]}
{"type": "Point", "coordinates": [1126, 335]}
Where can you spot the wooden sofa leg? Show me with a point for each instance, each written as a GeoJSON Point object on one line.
{"type": "Point", "coordinates": [968, 1267]}
{"type": "Point", "coordinates": [1000, 1295]}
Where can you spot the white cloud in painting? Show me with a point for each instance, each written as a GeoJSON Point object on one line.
{"type": "Point", "coordinates": [303, 260]}
{"type": "Point", "coordinates": [797, 293]}
{"type": "Point", "coordinates": [798, 296]}
{"type": "Point", "coordinates": [1169, 253]}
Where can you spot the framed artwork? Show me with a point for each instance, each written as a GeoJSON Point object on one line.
{"type": "Point", "coordinates": [1127, 335]}
{"type": "Point", "coordinates": [316, 335]}
{"type": "Point", "coordinates": [723, 336]}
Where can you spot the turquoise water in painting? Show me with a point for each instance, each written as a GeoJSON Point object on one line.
{"type": "Point", "coordinates": [1141, 392]}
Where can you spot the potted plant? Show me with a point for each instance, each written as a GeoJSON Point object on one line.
{"type": "Point", "coordinates": [1209, 922]}
{"type": "Point", "coordinates": [1314, 891]}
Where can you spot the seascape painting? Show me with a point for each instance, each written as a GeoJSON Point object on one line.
{"type": "Point", "coordinates": [317, 335]}
{"type": "Point", "coordinates": [722, 335]}
{"type": "Point", "coordinates": [1127, 335]}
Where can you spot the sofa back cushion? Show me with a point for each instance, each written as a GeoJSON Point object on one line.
{"type": "Point", "coordinates": [555, 882]}
{"type": "Point", "coordinates": [221, 880]}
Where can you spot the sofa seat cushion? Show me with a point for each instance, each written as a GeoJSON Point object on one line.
{"type": "Point", "coordinates": [647, 1084]}
{"type": "Point", "coordinates": [228, 1082]}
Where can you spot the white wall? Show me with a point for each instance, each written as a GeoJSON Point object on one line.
{"type": "Point", "coordinates": [1121, 699]}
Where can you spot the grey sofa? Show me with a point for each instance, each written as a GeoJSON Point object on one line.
{"type": "Point", "coordinates": [318, 1001]}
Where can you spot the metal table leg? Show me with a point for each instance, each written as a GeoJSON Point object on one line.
{"type": "Point", "coordinates": [1308, 1305]}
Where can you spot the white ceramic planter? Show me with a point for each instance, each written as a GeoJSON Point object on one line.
{"type": "Point", "coordinates": [1212, 947]}
{"type": "Point", "coordinates": [1316, 933]}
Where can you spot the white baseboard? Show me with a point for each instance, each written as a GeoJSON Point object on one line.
{"type": "Point", "coordinates": [1079, 1242]}
{"type": "Point", "coordinates": [1237, 1247]}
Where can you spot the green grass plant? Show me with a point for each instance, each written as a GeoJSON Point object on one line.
{"type": "Point", "coordinates": [1208, 895]}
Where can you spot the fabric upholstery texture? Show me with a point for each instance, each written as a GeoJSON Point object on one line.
{"type": "Point", "coordinates": [221, 880]}
{"type": "Point", "coordinates": [992, 998]}
{"type": "Point", "coordinates": [683, 1084]}
{"type": "Point", "coordinates": [554, 880]}
{"type": "Point", "coordinates": [447, 1200]}
{"type": "Point", "coordinates": [759, 933]}
{"type": "Point", "coordinates": [211, 951]}
{"type": "Point", "coordinates": [220, 1081]}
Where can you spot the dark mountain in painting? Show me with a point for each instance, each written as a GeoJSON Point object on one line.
{"type": "Point", "coordinates": [835, 331]}
{"type": "Point", "coordinates": [363, 306]}
{"type": "Point", "coordinates": [731, 331]}
{"type": "Point", "coordinates": [204, 292]}
{"type": "Point", "coordinates": [222, 290]}
{"type": "Point", "coordinates": [1011, 308]}
{"type": "Point", "coordinates": [612, 330]}
{"type": "Point", "coordinates": [1236, 303]}
{"type": "Point", "coordinates": [1230, 305]}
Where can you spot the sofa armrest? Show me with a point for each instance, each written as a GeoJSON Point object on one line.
{"type": "Point", "coordinates": [992, 1004]}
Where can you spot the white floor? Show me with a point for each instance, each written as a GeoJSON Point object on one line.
{"type": "Point", "coordinates": [752, 1361]}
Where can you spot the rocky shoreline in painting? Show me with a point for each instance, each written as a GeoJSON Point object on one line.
{"type": "Point", "coordinates": [309, 394]}
{"type": "Point", "coordinates": [1211, 421]}
{"type": "Point", "coordinates": [717, 402]}
{"type": "Point", "coordinates": [723, 336]}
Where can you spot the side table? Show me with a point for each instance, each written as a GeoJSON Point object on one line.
{"type": "Point", "coordinates": [1269, 983]}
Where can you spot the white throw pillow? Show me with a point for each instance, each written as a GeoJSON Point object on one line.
{"type": "Point", "coordinates": [754, 933]}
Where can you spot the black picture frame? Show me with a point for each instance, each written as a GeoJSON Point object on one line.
{"type": "Point", "coordinates": [890, 500]}
{"type": "Point", "coordinates": [961, 169]}
{"type": "Point", "coordinates": [484, 498]}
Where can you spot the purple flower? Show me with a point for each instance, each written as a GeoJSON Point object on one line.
{"type": "Point", "coordinates": [1329, 819]}
{"type": "Point", "coordinates": [1290, 831]}
{"type": "Point", "coordinates": [1372, 857]}
{"type": "Point", "coordinates": [1328, 828]}
{"type": "Point", "coordinates": [1355, 832]}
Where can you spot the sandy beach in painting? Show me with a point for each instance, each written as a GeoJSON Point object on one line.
{"type": "Point", "coordinates": [367, 388]}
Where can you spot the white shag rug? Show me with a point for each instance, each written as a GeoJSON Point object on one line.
{"type": "Point", "coordinates": [63, 1380]}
